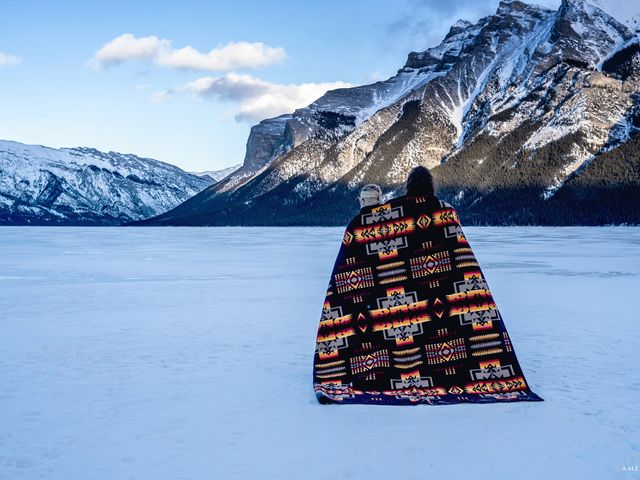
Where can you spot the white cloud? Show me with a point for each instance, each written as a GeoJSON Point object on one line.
{"type": "Point", "coordinates": [257, 99]}
{"type": "Point", "coordinates": [233, 55]}
{"type": "Point", "coordinates": [7, 60]}
{"type": "Point", "coordinates": [160, 97]}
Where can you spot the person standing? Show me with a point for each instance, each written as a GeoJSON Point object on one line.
{"type": "Point", "coordinates": [408, 317]}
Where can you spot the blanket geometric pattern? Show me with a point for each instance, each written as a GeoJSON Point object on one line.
{"type": "Point", "coordinates": [408, 316]}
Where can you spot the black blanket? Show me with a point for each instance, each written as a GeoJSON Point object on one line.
{"type": "Point", "coordinates": [409, 318]}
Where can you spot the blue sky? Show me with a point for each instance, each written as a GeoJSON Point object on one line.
{"type": "Point", "coordinates": [71, 76]}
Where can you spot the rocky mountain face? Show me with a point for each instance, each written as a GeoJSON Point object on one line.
{"type": "Point", "coordinates": [83, 186]}
{"type": "Point", "coordinates": [528, 116]}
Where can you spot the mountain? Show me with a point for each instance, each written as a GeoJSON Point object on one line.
{"type": "Point", "coordinates": [527, 116]}
{"type": "Point", "coordinates": [625, 11]}
{"type": "Point", "coordinates": [217, 175]}
{"type": "Point", "coordinates": [83, 186]}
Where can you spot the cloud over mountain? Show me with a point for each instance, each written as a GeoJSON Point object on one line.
{"type": "Point", "coordinates": [257, 98]}
{"type": "Point", "coordinates": [233, 55]}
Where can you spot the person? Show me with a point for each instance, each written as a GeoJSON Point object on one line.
{"type": "Point", "coordinates": [370, 195]}
{"type": "Point", "coordinates": [420, 182]}
{"type": "Point", "coordinates": [408, 317]}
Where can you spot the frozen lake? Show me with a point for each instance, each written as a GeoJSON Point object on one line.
{"type": "Point", "coordinates": [186, 353]}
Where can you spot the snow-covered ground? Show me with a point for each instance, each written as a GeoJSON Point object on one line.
{"type": "Point", "coordinates": [186, 353]}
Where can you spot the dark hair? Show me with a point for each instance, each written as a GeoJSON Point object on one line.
{"type": "Point", "coordinates": [419, 182]}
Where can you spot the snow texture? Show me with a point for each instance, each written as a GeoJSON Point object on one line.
{"type": "Point", "coordinates": [157, 353]}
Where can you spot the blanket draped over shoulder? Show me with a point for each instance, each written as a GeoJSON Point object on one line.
{"type": "Point", "coordinates": [409, 318]}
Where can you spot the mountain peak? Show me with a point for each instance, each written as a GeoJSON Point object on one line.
{"type": "Point", "coordinates": [458, 27]}
{"type": "Point", "coordinates": [507, 112]}
{"type": "Point", "coordinates": [507, 6]}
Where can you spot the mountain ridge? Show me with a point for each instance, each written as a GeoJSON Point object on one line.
{"type": "Point", "coordinates": [41, 185]}
{"type": "Point", "coordinates": [217, 175]}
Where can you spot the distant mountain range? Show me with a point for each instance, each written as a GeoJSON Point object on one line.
{"type": "Point", "coordinates": [83, 186]}
{"type": "Point", "coordinates": [527, 116]}
{"type": "Point", "coordinates": [217, 175]}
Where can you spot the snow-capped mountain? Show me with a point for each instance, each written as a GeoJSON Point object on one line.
{"type": "Point", "coordinates": [528, 115]}
{"type": "Point", "coordinates": [83, 186]}
{"type": "Point", "coordinates": [217, 175]}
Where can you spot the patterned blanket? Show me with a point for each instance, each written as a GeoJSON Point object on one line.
{"type": "Point", "coordinates": [409, 318]}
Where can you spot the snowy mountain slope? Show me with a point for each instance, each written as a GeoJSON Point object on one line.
{"type": "Point", "coordinates": [625, 11]}
{"type": "Point", "coordinates": [217, 175]}
{"type": "Point", "coordinates": [41, 185]}
{"type": "Point", "coordinates": [508, 108]}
